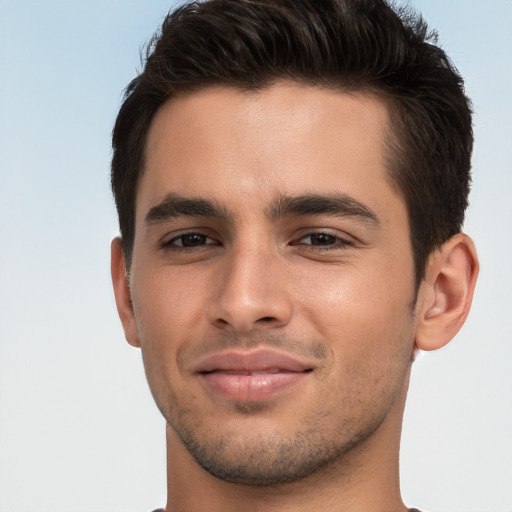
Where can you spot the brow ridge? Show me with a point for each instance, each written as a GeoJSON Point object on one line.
{"type": "Point", "coordinates": [175, 205]}
{"type": "Point", "coordinates": [343, 205]}
{"type": "Point", "coordinates": [318, 204]}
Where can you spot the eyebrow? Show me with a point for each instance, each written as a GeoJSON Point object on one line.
{"type": "Point", "coordinates": [175, 205]}
{"type": "Point", "coordinates": [337, 205]}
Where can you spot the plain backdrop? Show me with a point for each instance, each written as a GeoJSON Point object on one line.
{"type": "Point", "coordinates": [78, 428]}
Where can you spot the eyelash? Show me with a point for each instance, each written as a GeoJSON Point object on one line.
{"type": "Point", "coordinates": [338, 243]}
{"type": "Point", "coordinates": [170, 245]}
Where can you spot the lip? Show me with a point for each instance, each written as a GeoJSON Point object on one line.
{"type": "Point", "coordinates": [248, 376]}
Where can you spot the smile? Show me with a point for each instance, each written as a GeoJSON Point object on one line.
{"type": "Point", "coordinates": [251, 376]}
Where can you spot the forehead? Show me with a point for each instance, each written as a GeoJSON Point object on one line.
{"type": "Point", "coordinates": [288, 139]}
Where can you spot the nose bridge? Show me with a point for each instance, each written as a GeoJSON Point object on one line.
{"type": "Point", "coordinates": [251, 291]}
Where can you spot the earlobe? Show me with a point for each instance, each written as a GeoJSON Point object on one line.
{"type": "Point", "coordinates": [446, 293]}
{"type": "Point", "coordinates": [122, 293]}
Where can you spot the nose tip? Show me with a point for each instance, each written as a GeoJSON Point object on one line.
{"type": "Point", "coordinates": [251, 294]}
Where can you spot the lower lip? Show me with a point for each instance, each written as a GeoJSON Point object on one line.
{"type": "Point", "coordinates": [251, 388]}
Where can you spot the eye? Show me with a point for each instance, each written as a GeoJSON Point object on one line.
{"type": "Point", "coordinates": [323, 240]}
{"type": "Point", "coordinates": [188, 241]}
{"type": "Point", "coordinates": [320, 239]}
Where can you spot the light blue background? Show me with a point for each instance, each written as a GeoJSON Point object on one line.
{"type": "Point", "coordinates": [78, 429]}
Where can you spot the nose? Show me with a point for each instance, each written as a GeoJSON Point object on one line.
{"type": "Point", "coordinates": [251, 292]}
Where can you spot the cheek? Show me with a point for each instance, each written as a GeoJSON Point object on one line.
{"type": "Point", "coordinates": [337, 294]}
{"type": "Point", "coordinates": [363, 315]}
{"type": "Point", "coordinates": [369, 332]}
{"type": "Point", "coordinates": [169, 308]}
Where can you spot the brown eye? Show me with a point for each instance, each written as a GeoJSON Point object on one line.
{"type": "Point", "coordinates": [321, 239]}
{"type": "Point", "coordinates": [190, 240]}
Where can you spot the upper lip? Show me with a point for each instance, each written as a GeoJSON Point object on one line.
{"type": "Point", "coordinates": [254, 360]}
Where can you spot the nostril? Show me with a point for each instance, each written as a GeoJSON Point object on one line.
{"type": "Point", "coordinates": [266, 319]}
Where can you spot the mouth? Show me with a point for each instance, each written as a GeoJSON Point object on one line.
{"type": "Point", "coordinates": [269, 371]}
{"type": "Point", "coordinates": [252, 376]}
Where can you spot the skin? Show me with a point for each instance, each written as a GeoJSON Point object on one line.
{"type": "Point", "coordinates": [334, 289]}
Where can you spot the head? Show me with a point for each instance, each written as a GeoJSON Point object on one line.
{"type": "Point", "coordinates": [291, 178]}
{"type": "Point", "coordinates": [361, 46]}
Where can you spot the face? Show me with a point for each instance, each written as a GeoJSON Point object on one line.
{"type": "Point", "coordinates": [272, 278]}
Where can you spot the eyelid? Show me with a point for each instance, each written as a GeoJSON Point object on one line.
{"type": "Point", "coordinates": [340, 235]}
{"type": "Point", "coordinates": [342, 241]}
{"type": "Point", "coordinates": [176, 238]}
{"type": "Point", "coordinates": [167, 241]}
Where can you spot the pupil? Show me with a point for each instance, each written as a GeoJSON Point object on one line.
{"type": "Point", "coordinates": [192, 240]}
{"type": "Point", "coordinates": [322, 239]}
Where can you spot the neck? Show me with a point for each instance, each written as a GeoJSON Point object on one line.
{"type": "Point", "coordinates": [365, 478]}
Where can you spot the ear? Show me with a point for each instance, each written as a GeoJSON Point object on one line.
{"type": "Point", "coordinates": [122, 293]}
{"type": "Point", "coordinates": [446, 293]}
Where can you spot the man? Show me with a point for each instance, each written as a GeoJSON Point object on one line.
{"type": "Point", "coordinates": [291, 178]}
